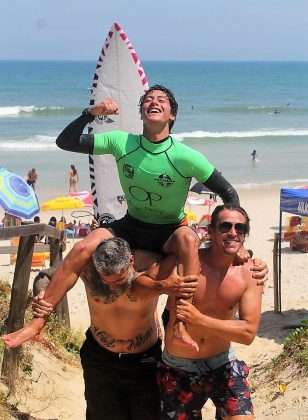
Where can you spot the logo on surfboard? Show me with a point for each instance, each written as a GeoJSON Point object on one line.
{"type": "Point", "coordinates": [103, 119]}
{"type": "Point", "coordinates": [105, 218]}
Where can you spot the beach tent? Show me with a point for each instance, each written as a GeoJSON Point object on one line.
{"type": "Point", "coordinates": [294, 201]}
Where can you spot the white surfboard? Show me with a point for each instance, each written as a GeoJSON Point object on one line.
{"type": "Point", "coordinates": [118, 75]}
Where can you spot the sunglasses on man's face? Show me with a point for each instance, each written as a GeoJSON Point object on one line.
{"type": "Point", "coordinates": [224, 227]}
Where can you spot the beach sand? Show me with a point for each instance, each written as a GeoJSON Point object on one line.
{"type": "Point", "coordinates": [55, 390]}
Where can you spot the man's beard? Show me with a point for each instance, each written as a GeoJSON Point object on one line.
{"type": "Point", "coordinates": [101, 288]}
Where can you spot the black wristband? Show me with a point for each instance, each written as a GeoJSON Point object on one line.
{"type": "Point", "coordinates": [86, 112]}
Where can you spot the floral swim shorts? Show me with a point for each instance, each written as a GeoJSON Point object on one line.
{"type": "Point", "coordinates": [184, 392]}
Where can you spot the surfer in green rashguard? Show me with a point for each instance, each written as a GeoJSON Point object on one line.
{"type": "Point", "coordinates": [155, 172]}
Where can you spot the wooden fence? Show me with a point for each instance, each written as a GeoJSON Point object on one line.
{"type": "Point", "coordinates": [27, 234]}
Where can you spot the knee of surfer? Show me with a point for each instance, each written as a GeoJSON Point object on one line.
{"type": "Point", "coordinates": [187, 242]}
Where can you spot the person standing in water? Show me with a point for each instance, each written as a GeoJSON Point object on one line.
{"type": "Point", "coordinates": [254, 155]}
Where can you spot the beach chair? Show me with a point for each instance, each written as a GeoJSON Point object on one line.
{"type": "Point", "coordinates": [67, 232]}
{"type": "Point", "coordinates": [296, 231]}
{"type": "Point", "coordinates": [291, 227]}
{"type": "Point", "coordinates": [39, 259]}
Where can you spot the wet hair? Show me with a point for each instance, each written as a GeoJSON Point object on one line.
{"type": "Point", "coordinates": [112, 256]}
{"type": "Point", "coordinates": [215, 215]}
{"type": "Point", "coordinates": [173, 103]}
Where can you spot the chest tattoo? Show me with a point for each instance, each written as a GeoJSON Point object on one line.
{"type": "Point", "coordinates": [97, 287]}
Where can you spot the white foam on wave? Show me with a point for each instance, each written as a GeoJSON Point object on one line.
{"type": "Point", "coordinates": [13, 111]}
{"type": "Point", "coordinates": [285, 182]}
{"type": "Point", "coordinates": [242, 134]}
{"type": "Point", "coordinates": [7, 111]}
{"type": "Point", "coordinates": [37, 142]}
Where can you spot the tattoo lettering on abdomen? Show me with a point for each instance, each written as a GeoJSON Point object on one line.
{"type": "Point", "coordinates": [103, 338]}
{"type": "Point", "coordinates": [139, 340]}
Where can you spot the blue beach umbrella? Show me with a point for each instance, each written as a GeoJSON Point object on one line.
{"type": "Point", "coordinates": [16, 196]}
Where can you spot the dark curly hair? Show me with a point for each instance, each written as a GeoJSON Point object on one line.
{"type": "Point", "coordinates": [173, 103]}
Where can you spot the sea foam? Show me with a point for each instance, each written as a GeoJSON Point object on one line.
{"type": "Point", "coordinates": [37, 142]}
{"type": "Point", "coordinates": [242, 134]}
{"type": "Point", "coordinates": [17, 110]}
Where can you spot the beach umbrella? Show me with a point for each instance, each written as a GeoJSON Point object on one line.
{"type": "Point", "coordinates": [62, 203]}
{"type": "Point", "coordinates": [85, 196]}
{"type": "Point", "coordinates": [191, 217]}
{"type": "Point", "coordinates": [16, 196]}
{"type": "Point", "coordinates": [196, 201]}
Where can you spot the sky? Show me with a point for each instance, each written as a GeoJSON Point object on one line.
{"type": "Point", "coordinates": [159, 29]}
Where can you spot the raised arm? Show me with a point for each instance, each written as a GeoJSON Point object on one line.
{"type": "Point", "coordinates": [219, 185]}
{"type": "Point", "coordinates": [72, 138]}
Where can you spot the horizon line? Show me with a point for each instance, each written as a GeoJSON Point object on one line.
{"type": "Point", "coordinates": [168, 60]}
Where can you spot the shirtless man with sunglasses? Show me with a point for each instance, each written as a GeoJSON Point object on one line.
{"type": "Point", "coordinates": [188, 378]}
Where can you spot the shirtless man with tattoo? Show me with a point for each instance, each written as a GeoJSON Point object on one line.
{"type": "Point", "coordinates": [119, 356]}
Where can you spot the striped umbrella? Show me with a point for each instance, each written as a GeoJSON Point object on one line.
{"type": "Point", "coordinates": [16, 196]}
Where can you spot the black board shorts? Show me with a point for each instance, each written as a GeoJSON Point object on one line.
{"type": "Point", "coordinates": [142, 235]}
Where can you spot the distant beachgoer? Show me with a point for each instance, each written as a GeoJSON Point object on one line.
{"type": "Point", "coordinates": [94, 225]}
{"type": "Point", "coordinates": [253, 155]}
{"type": "Point", "coordinates": [276, 111]}
{"type": "Point", "coordinates": [11, 220]}
{"type": "Point", "coordinates": [32, 178]}
{"type": "Point", "coordinates": [38, 238]}
{"type": "Point", "coordinates": [52, 221]}
{"type": "Point", "coordinates": [73, 178]}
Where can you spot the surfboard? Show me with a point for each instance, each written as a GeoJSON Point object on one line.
{"type": "Point", "coordinates": [118, 75]}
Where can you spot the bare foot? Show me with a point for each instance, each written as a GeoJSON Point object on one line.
{"type": "Point", "coordinates": [182, 338]}
{"type": "Point", "coordinates": [32, 331]}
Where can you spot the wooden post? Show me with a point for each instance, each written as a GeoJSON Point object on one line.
{"type": "Point", "coordinates": [62, 309]}
{"type": "Point", "coordinates": [277, 291]}
{"type": "Point", "coordinates": [18, 306]}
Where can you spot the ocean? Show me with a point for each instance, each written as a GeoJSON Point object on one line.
{"type": "Point", "coordinates": [226, 110]}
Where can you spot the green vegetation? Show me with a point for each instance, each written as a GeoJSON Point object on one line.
{"type": "Point", "coordinates": [295, 349]}
{"type": "Point", "coordinates": [66, 341]}
{"type": "Point", "coordinates": [58, 339]}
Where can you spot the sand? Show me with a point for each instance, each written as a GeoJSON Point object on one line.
{"type": "Point", "coordinates": [55, 390]}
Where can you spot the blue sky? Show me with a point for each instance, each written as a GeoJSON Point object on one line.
{"type": "Point", "coordinates": [159, 30]}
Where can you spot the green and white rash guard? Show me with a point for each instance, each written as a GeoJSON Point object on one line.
{"type": "Point", "coordinates": [155, 177]}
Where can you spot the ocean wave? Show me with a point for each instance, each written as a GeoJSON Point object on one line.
{"type": "Point", "coordinates": [37, 142]}
{"type": "Point", "coordinates": [268, 184]}
{"type": "Point", "coordinates": [242, 134]}
{"type": "Point", "coordinates": [18, 110]}
{"type": "Point", "coordinates": [260, 109]}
